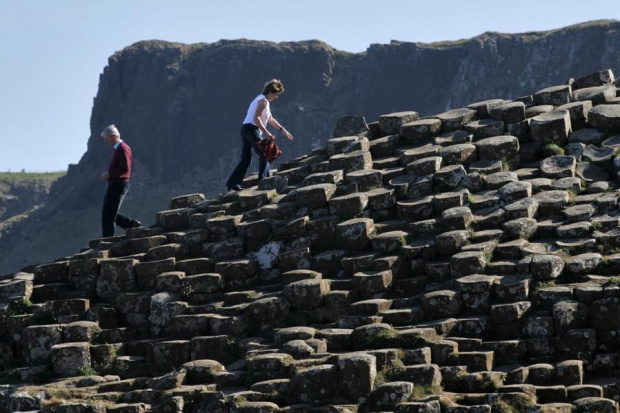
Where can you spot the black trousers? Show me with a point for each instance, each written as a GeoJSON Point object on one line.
{"type": "Point", "coordinates": [250, 136]}
{"type": "Point", "coordinates": [111, 204]}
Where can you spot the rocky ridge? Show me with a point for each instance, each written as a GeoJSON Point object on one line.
{"type": "Point", "coordinates": [180, 105]}
{"type": "Point", "coordinates": [461, 262]}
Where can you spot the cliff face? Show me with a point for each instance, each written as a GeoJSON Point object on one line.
{"type": "Point", "coordinates": [180, 108]}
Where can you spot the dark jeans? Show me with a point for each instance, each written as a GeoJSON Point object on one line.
{"type": "Point", "coordinates": [111, 204]}
{"type": "Point", "coordinates": [250, 136]}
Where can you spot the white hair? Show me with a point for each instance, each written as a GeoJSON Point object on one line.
{"type": "Point", "coordinates": [110, 131]}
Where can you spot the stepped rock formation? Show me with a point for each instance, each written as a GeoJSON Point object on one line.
{"type": "Point", "coordinates": [180, 106]}
{"type": "Point", "coordinates": [461, 262]}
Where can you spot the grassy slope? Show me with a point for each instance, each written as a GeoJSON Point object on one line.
{"type": "Point", "coordinates": [15, 177]}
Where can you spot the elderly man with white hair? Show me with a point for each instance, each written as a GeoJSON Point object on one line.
{"type": "Point", "coordinates": [117, 175]}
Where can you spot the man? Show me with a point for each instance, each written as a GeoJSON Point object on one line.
{"type": "Point", "coordinates": [117, 175]}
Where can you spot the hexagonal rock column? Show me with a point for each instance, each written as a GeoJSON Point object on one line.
{"type": "Point", "coordinates": [486, 128]}
{"type": "Point", "coordinates": [499, 179]}
{"type": "Point", "coordinates": [455, 119]}
{"type": "Point", "coordinates": [551, 127]}
{"type": "Point", "coordinates": [70, 359]}
{"type": "Point", "coordinates": [347, 144]}
{"type": "Point", "coordinates": [390, 242]}
{"type": "Point", "coordinates": [605, 117]}
{"type": "Point", "coordinates": [546, 267]}
{"type": "Point", "coordinates": [222, 225]}
{"type": "Point", "coordinates": [390, 123]}
{"type": "Point", "coordinates": [595, 404]}
{"type": "Point", "coordinates": [115, 275]}
{"type": "Point", "coordinates": [306, 294]}
{"type": "Point", "coordinates": [498, 147]}
{"type": "Point", "coordinates": [315, 196]}
{"type": "Point", "coordinates": [509, 112]}
{"type": "Point", "coordinates": [202, 371]}
{"type": "Point", "coordinates": [317, 384]}
{"type": "Point", "coordinates": [506, 317]}
{"type": "Point", "coordinates": [604, 314]}
{"type": "Point", "coordinates": [424, 375]}
{"type": "Point", "coordinates": [523, 228]}
{"type": "Point", "coordinates": [252, 199]}
{"type": "Point", "coordinates": [348, 205]}
{"type": "Point", "coordinates": [365, 179]}
{"type": "Point", "coordinates": [384, 147]}
{"type": "Point", "coordinates": [424, 166]}
{"type": "Point", "coordinates": [356, 375]}
{"type": "Point", "coordinates": [568, 315]}
{"type": "Point", "coordinates": [449, 177]}
{"type": "Point", "coordinates": [416, 209]}
{"type": "Point", "coordinates": [462, 153]}
{"type": "Point", "coordinates": [381, 199]}
{"type": "Point", "coordinates": [350, 162]}
{"type": "Point", "coordinates": [450, 242]}
{"type": "Point", "coordinates": [558, 166]}
{"type": "Point", "coordinates": [293, 333]}
{"type": "Point", "coordinates": [598, 94]}
{"type": "Point", "coordinates": [37, 342]}
{"type": "Point", "coordinates": [354, 234]}
{"type": "Point", "coordinates": [583, 263]}
{"type": "Point", "coordinates": [551, 202]}
{"type": "Point", "coordinates": [420, 130]}
{"type": "Point", "coordinates": [484, 107]}
{"type": "Point", "coordinates": [173, 220]}
{"type": "Point", "coordinates": [186, 201]}
{"type": "Point", "coordinates": [569, 372]}
{"type": "Point", "coordinates": [476, 292]}
{"type": "Point", "coordinates": [514, 191]}
{"type": "Point", "coordinates": [213, 348]}
{"type": "Point", "coordinates": [51, 272]}
{"type": "Point", "coordinates": [457, 218]}
{"type": "Point", "coordinates": [602, 77]}
{"type": "Point", "coordinates": [391, 394]}
{"type": "Point", "coordinates": [601, 157]}
{"type": "Point", "coordinates": [170, 355]}
{"type": "Point", "coordinates": [81, 330]}
{"type": "Point", "coordinates": [372, 282]}
{"type": "Point", "coordinates": [349, 126]}
{"type": "Point", "coordinates": [438, 304]}
{"type": "Point", "coordinates": [554, 95]}
{"type": "Point", "coordinates": [467, 263]}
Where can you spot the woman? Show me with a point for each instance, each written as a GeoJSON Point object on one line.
{"type": "Point", "coordinates": [253, 128]}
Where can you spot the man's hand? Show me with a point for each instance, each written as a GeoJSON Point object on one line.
{"type": "Point", "coordinates": [105, 176]}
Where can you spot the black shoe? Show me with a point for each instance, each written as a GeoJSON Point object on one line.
{"type": "Point", "coordinates": [234, 187]}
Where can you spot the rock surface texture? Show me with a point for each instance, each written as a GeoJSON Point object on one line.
{"type": "Point", "coordinates": [370, 275]}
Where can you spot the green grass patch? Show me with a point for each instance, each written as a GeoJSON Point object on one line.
{"type": "Point", "coordinates": [421, 392]}
{"type": "Point", "coordinates": [551, 149]}
{"type": "Point", "coordinates": [11, 177]}
{"type": "Point", "coordinates": [89, 371]}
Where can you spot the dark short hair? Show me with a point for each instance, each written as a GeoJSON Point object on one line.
{"type": "Point", "coordinates": [273, 86]}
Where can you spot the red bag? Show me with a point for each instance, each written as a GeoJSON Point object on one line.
{"type": "Point", "coordinates": [270, 149]}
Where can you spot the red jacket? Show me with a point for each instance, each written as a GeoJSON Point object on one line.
{"type": "Point", "coordinates": [120, 164]}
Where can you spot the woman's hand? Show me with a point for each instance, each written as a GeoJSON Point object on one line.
{"type": "Point", "coordinates": [270, 136]}
{"type": "Point", "coordinates": [287, 134]}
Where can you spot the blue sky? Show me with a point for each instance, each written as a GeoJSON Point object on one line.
{"type": "Point", "coordinates": [54, 51]}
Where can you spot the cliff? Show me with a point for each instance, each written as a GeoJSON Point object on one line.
{"type": "Point", "coordinates": [21, 194]}
{"type": "Point", "coordinates": [179, 106]}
